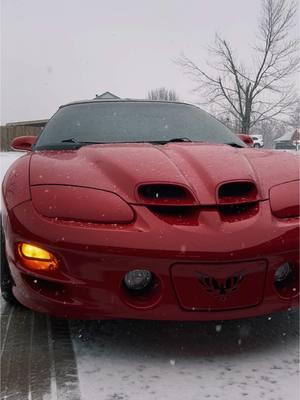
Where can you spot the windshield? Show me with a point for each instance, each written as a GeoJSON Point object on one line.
{"type": "Point", "coordinates": [115, 122]}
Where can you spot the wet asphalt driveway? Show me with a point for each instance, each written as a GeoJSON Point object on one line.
{"type": "Point", "coordinates": [48, 358]}
{"type": "Point", "coordinates": [37, 357]}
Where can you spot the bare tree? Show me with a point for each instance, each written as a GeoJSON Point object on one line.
{"type": "Point", "coordinates": [294, 117]}
{"type": "Point", "coordinates": [264, 89]}
{"type": "Point", "coordinates": [163, 94]}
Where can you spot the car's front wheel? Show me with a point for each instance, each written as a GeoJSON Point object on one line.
{"type": "Point", "coordinates": [6, 279]}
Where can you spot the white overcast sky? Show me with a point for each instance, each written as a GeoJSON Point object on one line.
{"type": "Point", "coordinates": [56, 51]}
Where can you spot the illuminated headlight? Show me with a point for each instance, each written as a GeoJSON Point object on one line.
{"type": "Point", "coordinates": [282, 272]}
{"type": "Point", "coordinates": [36, 258]}
{"type": "Point", "coordinates": [138, 279]}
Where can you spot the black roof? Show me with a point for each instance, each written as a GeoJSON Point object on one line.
{"type": "Point", "coordinates": [123, 101]}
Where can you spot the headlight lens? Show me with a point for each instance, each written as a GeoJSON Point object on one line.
{"type": "Point", "coordinates": [36, 258]}
{"type": "Point", "coordinates": [284, 200]}
{"type": "Point", "coordinates": [80, 204]}
{"type": "Point", "coordinates": [30, 251]}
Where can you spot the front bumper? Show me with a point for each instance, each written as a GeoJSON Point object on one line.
{"type": "Point", "coordinates": [95, 258]}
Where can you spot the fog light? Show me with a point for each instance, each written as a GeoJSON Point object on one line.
{"type": "Point", "coordinates": [138, 279]}
{"type": "Point", "coordinates": [282, 272]}
{"type": "Point", "coordinates": [36, 258]}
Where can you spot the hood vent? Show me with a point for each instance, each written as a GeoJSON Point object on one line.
{"type": "Point", "coordinates": [165, 194]}
{"type": "Point", "coordinates": [238, 212]}
{"type": "Point", "coordinates": [237, 193]}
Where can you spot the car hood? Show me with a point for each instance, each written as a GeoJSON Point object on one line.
{"type": "Point", "coordinates": [120, 168]}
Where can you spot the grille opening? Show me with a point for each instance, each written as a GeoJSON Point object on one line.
{"type": "Point", "coordinates": [165, 193]}
{"type": "Point", "coordinates": [45, 287]}
{"type": "Point", "coordinates": [177, 215]}
{"type": "Point", "coordinates": [237, 212]}
{"type": "Point", "coordinates": [237, 192]}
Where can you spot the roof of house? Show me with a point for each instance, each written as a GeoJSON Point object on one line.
{"type": "Point", "coordinates": [106, 96]}
{"type": "Point", "coordinates": [293, 134]}
{"type": "Point", "coordinates": [37, 123]}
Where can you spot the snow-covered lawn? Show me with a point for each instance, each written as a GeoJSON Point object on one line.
{"type": "Point", "coordinates": [6, 159]}
{"type": "Point", "coordinates": [143, 360]}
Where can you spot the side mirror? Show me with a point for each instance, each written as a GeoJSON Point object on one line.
{"type": "Point", "coordinates": [23, 143]}
{"type": "Point", "coordinates": [246, 139]}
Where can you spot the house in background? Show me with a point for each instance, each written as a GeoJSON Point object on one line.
{"type": "Point", "coordinates": [106, 96]}
{"type": "Point", "coordinates": [289, 141]}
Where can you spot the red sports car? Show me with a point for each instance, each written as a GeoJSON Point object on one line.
{"type": "Point", "coordinates": [149, 210]}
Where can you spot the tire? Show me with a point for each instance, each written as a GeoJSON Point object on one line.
{"type": "Point", "coordinates": [5, 277]}
{"type": "Point", "coordinates": [257, 146]}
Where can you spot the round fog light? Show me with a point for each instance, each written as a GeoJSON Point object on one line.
{"type": "Point", "coordinates": [138, 279]}
{"type": "Point", "coordinates": [282, 272]}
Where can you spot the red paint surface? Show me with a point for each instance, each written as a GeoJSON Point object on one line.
{"type": "Point", "coordinates": [285, 199]}
{"type": "Point", "coordinates": [23, 143]}
{"type": "Point", "coordinates": [215, 296]}
{"type": "Point", "coordinates": [94, 256]}
{"type": "Point", "coordinates": [84, 204]}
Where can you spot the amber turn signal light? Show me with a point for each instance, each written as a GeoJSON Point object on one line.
{"type": "Point", "coordinates": [36, 258]}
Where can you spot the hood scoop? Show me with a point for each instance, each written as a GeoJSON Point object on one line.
{"type": "Point", "coordinates": [238, 192]}
{"type": "Point", "coordinates": [237, 200]}
{"type": "Point", "coordinates": [165, 195]}
{"type": "Point", "coordinates": [176, 205]}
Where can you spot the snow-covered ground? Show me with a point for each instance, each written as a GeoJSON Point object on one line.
{"type": "Point", "coordinates": [142, 360]}
{"type": "Point", "coordinates": [6, 159]}
{"type": "Point", "coordinates": [134, 360]}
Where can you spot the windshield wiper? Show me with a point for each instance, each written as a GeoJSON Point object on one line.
{"type": "Point", "coordinates": [79, 142]}
{"type": "Point", "coordinates": [233, 144]}
{"type": "Point", "coordinates": [75, 141]}
{"type": "Point", "coordinates": [174, 140]}
{"type": "Point", "coordinates": [70, 140]}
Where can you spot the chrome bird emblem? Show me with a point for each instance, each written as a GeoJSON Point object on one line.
{"type": "Point", "coordinates": [221, 287]}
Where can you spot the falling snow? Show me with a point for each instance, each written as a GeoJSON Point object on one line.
{"type": "Point", "coordinates": [151, 360]}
